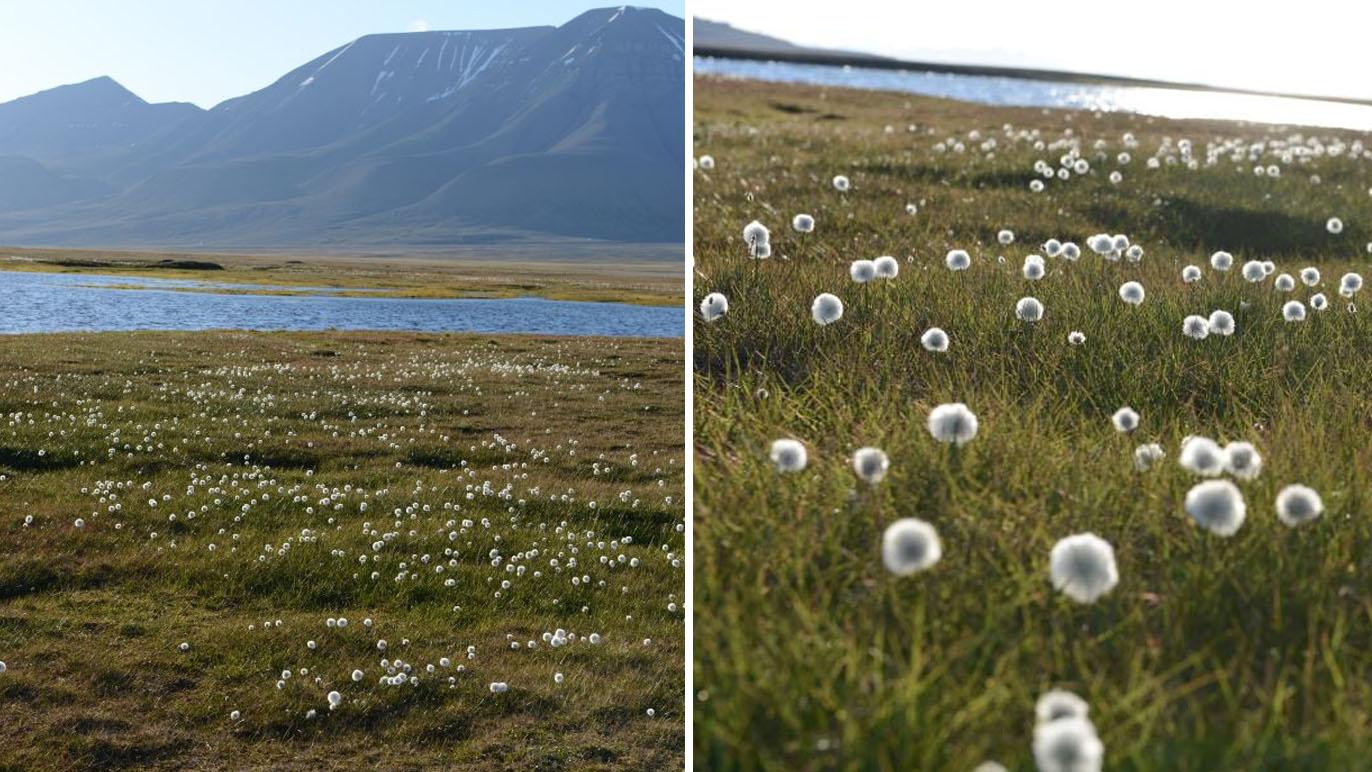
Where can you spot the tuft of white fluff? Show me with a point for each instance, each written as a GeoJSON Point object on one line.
{"type": "Point", "coordinates": [803, 223]}
{"type": "Point", "coordinates": [871, 464]}
{"type": "Point", "coordinates": [1131, 292]}
{"type": "Point", "coordinates": [1217, 506]}
{"type": "Point", "coordinates": [887, 267]}
{"type": "Point", "coordinates": [862, 271]}
{"type": "Point", "coordinates": [1242, 460]}
{"type": "Point", "coordinates": [1221, 322]}
{"type": "Point", "coordinates": [1147, 455]}
{"type": "Point", "coordinates": [1197, 327]}
{"type": "Point", "coordinates": [953, 423]}
{"type": "Point", "coordinates": [789, 455]}
{"type": "Point", "coordinates": [934, 339]}
{"type": "Point", "coordinates": [1082, 567]}
{"type": "Point", "coordinates": [910, 545]}
{"type": "Point", "coordinates": [957, 260]}
{"type": "Point", "coordinates": [1028, 309]}
{"type": "Point", "coordinates": [713, 306]}
{"type": "Point", "coordinates": [1201, 456]}
{"type": "Point", "coordinates": [1298, 504]}
{"type": "Point", "coordinates": [826, 309]}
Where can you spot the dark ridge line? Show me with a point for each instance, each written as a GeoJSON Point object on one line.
{"type": "Point", "coordinates": [840, 59]}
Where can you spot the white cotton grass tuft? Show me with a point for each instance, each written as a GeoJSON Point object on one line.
{"type": "Point", "coordinates": [1293, 311]}
{"type": "Point", "coordinates": [1070, 251]}
{"type": "Point", "coordinates": [1101, 243]}
{"type": "Point", "coordinates": [713, 306]}
{"type": "Point", "coordinates": [1254, 271]}
{"type": "Point", "coordinates": [1201, 456]}
{"type": "Point", "coordinates": [1068, 745]}
{"type": "Point", "coordinates": [841, 183]}
{"type": "Point", "coordinates": [1148, 454]}
{"type": "Point", "coordinates": [1006, 237]}
{"type": "Point", "coordinates": [1191, 274]}
{"type": "Point", "coordinates": [1052, 247]}
{"type": "Point", "coordinates": [789, 455]}
{"type": "Point", "coordinates": [826, 309]}
{"type": "Point", "coordinates": [1334, 225]}
{"type": "Point", "coordinates": [1284, 283]}
{"type": "Point", "coordinates": [1028, 309]}
{"type": "Point", "coordinates": [910, 545]}
{"type": "Point", "coordinates": [1126, 419]}
{"type": "Point", "coordinates": [887, 267]}
{"type": "Point", "coordinates": [953, 423]}
{"type": "Point", "coordinates": [862, 271]}
{"type": "Point", "coordinates": [1297, 504]}
{"type": "Point", "coordinates": [1058, 704]}
{"type": "Point", "coordinates": [1196, 327]}
{"type": "Point", "coordinates": [1076, 337]}
{"type": "Point", "coordinates": [1242, 460]}
{"type": "Point", "coordinates": [706, 162]}
{"type": "Point", "coordinates": [871, 464]}
{"type": "Point", "coordinates": [335, 699]}
{"type": "Point", "coordinates": [803, 223]}
{"type": "Point", "coordinates": [1131, 292]}
{"type": "Point", "coordinates": [755, 234]}
{"type": "Point", "coordinates": [1217, 506]}
{"type": "Point", "coordinates": [957, 260]}
{"type": "Point", "coordinates": [1310, 276]}
{"type": "Point", "coordinates": [1033, 267]}
{"type": "Point", "coordinates": [1221, 261]}
{"type": "Point", "coordinates": [1318, 301]}
{"type": "Point", "coordinates": [1349, 284]}
{"type": "Point", "coordinates": [1134, 253]}
{"type": "Point", "coordinates": [934, 339]}
{"type": "Point", "coordinates": [1082, 567]}
{"type": "Point", "coordinates": [1221, 322]}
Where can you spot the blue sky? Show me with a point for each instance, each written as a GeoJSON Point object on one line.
{"type": "Point", "coordinates": [205, 51]}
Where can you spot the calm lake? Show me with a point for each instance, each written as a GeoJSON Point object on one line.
{"type": "Point", "coordinates": [1166, 102]}
{"type": "Point", "coordinates": [51, 302]}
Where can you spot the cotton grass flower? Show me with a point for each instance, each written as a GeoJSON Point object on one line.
{"type": "Point", "coordinates": [1310, 276]}
{"type": "Point", "coordinates": [871, 464]}
{"type": "Point", "coordinates": [1197, 327]}
{"type": "Point", "coordinates": [1293, 311]}
{"type": "Point", "coordinates": [862, 271]}
{"type": "Point", "coordinates": [1221, 322]}
{"type": "Point", "coordinates": [1070, 251]}
{"type": "Point", "coordinates": [803, 223]}
{"type": "Point", "coordinates": [1285, 283]}
{"type": "Point", "coordinates": [1076, 337]}
{"type": "Point", "coordinates": [957, 260]}
{"type": "Point", "coordinates": [713, 306]}
{"type": "Point", "coordinates": [887, 267]}
{"type": "Point", "coordinates": [1201, 456]}
{"type": "Point", "coordinates": [1147, 455]}
{"type": "Point", "coordinates": [1125, 419]}
{"type": "Point", "coordinates": [1033, 268]}
{"type": "Point", "coordinates": [1068, 745]}
{"type": "Point", "coordinates": [1058, 704]}
{"type": "Point", "coordinates": [1221, 261]}
{"type": "Point", "coordinates": [707, 162]}
{"type": "Point", "coordinates": [934, 339]}
{"type": "Point", "coordinates": [1334, 225]}
{"type": "Point", "coordinates": [1242, 460]}
{"type": "Point", "coordinates": [335, 699]}
{"type": "Point", "coordinates": [826, 309]}
{"type": "Point", "coordinates": [1191, 274]}
{"type": "Point", "coordinates": [910, 545]}
{"type": "Point", "coordinates": [1131, 292]}
{"type": "Point", "coordinates": [1319, 302]}
{"type": "Point", "coordinates": [953, 423]}
{"type": "Point", "coordinates": [1083, 568]}
{"type": "Point", "coordinates": [789, 455]}
{"type": "Point", "coordinates": [758, 239]}
{"type": "Point", "coordinates": [1254, 271]}
{"type": "Point", "coordinates": [1052, 247]}
{"type": "Point", "coordinates": [841, 183]}
{"type": "Point", "coordinates": [1217, 506]}
{"type": "Point", "coordinates": [1349, 284]}
{"type": "Point", "coordinates": [1006, 237]}
{"type": "Point", "coordinates": [1297, 504]}
{"type": "Point", "coordinates": [1101, 243]}
{"type": "Point", "coordinates": [1028, 309]}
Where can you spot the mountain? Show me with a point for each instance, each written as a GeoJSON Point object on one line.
{"type": "Point", "coordinates": [716, 38]}
{"type": "Point", "coordinates": [536, 134]}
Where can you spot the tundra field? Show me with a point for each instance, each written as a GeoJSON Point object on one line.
{"type": "Point", "coordinates": [1195, 639]}
{"type": "Point", "coordinates": [343, 550]}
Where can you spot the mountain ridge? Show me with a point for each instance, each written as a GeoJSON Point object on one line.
{"type": "Point", "coordinates": [527, 134]}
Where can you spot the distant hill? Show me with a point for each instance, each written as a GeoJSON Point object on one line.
{"type": "Point", "coordinates": [427, 138]}
{"type": "Point", "coordinates": [719, 38]}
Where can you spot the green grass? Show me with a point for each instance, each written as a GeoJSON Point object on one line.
{"type": "Point", "coordinates": [275, 441]}
{"type": "Point", "coordinates": [1253, 652]}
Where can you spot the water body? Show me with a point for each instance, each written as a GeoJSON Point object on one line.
{"type": "Point", "coordinates": [1018, 92]}
{"type": "Point", "coordinates": [53, 302]}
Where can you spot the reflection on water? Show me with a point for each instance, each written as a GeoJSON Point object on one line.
{"type": "Point", "coordinates": [1170, 103]}
{"type": "Point", "coordinates": [50, 302]}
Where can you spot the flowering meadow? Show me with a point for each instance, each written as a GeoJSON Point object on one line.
{"type": "Point", "coordinates": [1028, 439]}
{"type": "Point", "coordinates": [341, 550]}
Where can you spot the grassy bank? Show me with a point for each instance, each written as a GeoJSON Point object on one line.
{"type": "Point", "coordinates": [1248, 652]}
{"type": "Point", "coordinates": [611, 274]}
{"type": "Point", "coordinates": [235, 492]}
